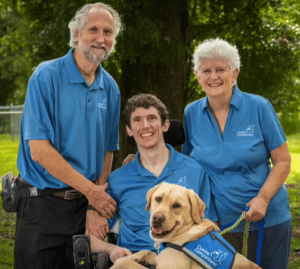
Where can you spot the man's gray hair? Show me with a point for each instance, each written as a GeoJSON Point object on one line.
{"type": "Point", "coordinates": [216, 48]}
{"type": "Point", "coordinates": [79, 20]}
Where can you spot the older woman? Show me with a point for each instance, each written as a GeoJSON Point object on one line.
{"type": "Point", "coordinates": [234, 135]}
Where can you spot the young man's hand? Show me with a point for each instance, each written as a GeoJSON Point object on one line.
{"type": "Point", "coordinates": [116, 252]}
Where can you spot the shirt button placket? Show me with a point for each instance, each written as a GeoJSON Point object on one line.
{"type": "Point", "coordinates": [90, 101]}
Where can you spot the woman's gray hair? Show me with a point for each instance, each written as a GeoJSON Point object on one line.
{"type": "Point", "coordinates": [79, 20]}
{"type": "Point", "coordinates": [216, 48]}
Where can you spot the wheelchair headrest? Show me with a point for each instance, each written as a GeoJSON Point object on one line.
{"type": "Point", "coordinates": [174, 136]}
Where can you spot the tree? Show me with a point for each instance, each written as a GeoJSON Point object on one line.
{"type": "Point", "coordinates": [157, 48]}
{"type": "Point", "coordinates": [154, 52]}
{"type": "Point", "coordinates": [14, 62]}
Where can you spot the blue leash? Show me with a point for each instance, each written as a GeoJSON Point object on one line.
{"type": "Point", "coordinates": [260, 224]}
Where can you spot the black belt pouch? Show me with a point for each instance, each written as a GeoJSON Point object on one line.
{"type": "Point", "coordinates": [10, 193]}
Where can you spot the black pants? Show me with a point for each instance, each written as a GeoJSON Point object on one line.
{"type": "Point", "coordinates": [45, 226]}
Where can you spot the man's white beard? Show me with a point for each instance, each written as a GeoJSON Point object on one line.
{"type": "Point", "coordinates": [90, 55]}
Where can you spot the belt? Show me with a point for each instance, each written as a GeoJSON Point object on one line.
{"type": "Point", "coordinates": [27, 190]}
{"type": "Point", "coordinates": [69, 194]}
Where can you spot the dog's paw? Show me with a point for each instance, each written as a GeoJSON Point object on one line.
{"type": "Point", "coordinates": [210, 226]}
{"type": "Point", "coordinates": [145, 257]}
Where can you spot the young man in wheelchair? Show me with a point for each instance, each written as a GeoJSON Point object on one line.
{"type": "Point", "coordinates": [155, 162]}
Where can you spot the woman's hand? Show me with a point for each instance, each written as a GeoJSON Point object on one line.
{"type": "Point", "coordinates": [281, 160]}
{"type": "Point", "coordinates": [257, 209]}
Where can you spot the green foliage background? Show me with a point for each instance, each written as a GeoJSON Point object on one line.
{"type": "Point", "coordinates": [154, 54]}
{"type": "Point", "coordinates": [266, 33]}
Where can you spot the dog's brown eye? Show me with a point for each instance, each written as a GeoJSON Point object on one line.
{"type": "Point", "coordinates": [158, 199]}
{"type": "Point", "coordinates": [176, 205]}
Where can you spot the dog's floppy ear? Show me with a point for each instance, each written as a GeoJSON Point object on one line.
{"type": "Point", "coordinates": [197, 207]}
{"type": "Point", "coordinates": [149, 196]}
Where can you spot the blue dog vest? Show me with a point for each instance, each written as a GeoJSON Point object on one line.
{"type": "Point", "coordinates": [211, 251]}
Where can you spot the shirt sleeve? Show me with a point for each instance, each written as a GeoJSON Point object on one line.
{"type": "Point", "coordinates": [38, 110]}
{"type": "Point", "coordinates": [270, 126]}
{"type": "Point", "coordinates": [111, 222]}
{"type": "Point", "coordinates": [114, 138]}
{"type": "Point", "coordinates": [206, 196]}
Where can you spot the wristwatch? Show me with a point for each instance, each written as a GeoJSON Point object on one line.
{"type": "Point", "coordinates": [90, 207]}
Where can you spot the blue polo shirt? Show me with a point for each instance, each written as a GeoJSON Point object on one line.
{"type": "Point", "coordinates": [238, 162]}
{"type": "Point", "coordinates": [129, 185]}
{"type": "Point", "coordinates": [81, 121]}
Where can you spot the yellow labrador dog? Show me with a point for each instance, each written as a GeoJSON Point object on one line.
{"type": "Point", "coordinates": [176, 217]}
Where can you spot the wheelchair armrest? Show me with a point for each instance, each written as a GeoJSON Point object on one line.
{"type": "Point", "coordinates": [102, 261]}
{"type": "Point", "coordinates": [84, 259]}
{"type": "Point", "coordinates": [82, 251]}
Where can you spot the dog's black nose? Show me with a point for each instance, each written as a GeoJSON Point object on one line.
{"type": "Point", "coordinates": [159, 217]}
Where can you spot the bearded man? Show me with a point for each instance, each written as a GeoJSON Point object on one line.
{"type": "Point", "coordinates": [69, 130]}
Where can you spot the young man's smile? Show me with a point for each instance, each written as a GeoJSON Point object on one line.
{"type": "Point", "coordinates": [146, 127]}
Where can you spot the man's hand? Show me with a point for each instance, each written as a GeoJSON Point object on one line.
{"type": "Point", "coordinates": [257, 209]}
{"type": "Point", "coordinates": [128, 159]}
{"type": "Point", "coordinates": [116, 252]}
{"type": "Point", "coordinates": [96, 225]}
{"type": "Point", "coordinates": [101, 180]}
{"type": "Point", "coordinates": [102, 202]}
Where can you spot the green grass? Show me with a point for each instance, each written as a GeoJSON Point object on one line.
{"type": "Point", "coordinates": [294, 143]}
{"type": "Point", "coordinates": [294, 147]}
{"type": "Point", "coordinates": [7, 234]}
{"type": "Point", "coordinates": [8, 162]}
{"type": "Point", "coordinates": [8, 157]}
{"type": "Point", "coordinates": [294, 197]}
{"type": "Point", "coordinates": [295, 211]}
{"type": "Point", "coordinates": [8, 154]}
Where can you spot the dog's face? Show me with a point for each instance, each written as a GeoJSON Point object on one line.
{"type": "Point", "coordinates": [174, 209]}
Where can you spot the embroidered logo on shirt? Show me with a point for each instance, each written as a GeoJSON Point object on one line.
{"type": "Point", "coordinates": [249, 131]}
{"type": "Point", "coordinates": [102, 105]}
{"type": "Point", "coordinates": [182, 181]}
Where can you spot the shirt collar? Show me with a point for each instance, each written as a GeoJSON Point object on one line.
{"type": "Point", "coordinates": [236, 99]}
{"type": "Point", "coordinates": [175, 162]}
{"type": "Point", "coordinates": [204, 104]}
{"type": "Point", "coordinates": [74, 75]}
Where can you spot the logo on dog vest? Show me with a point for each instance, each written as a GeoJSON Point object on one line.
{"type": "Point", "coordinates": [212, 251]}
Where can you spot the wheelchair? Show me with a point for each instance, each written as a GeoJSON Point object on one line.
{"type": "Point", "coordinates": [83, 257]}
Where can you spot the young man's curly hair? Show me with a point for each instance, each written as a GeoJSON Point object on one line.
{"type": "Point", "coordinates": [145, 100]}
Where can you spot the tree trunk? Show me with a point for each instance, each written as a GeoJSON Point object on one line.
{"type": "Point", "coordinates": [161, 70]}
